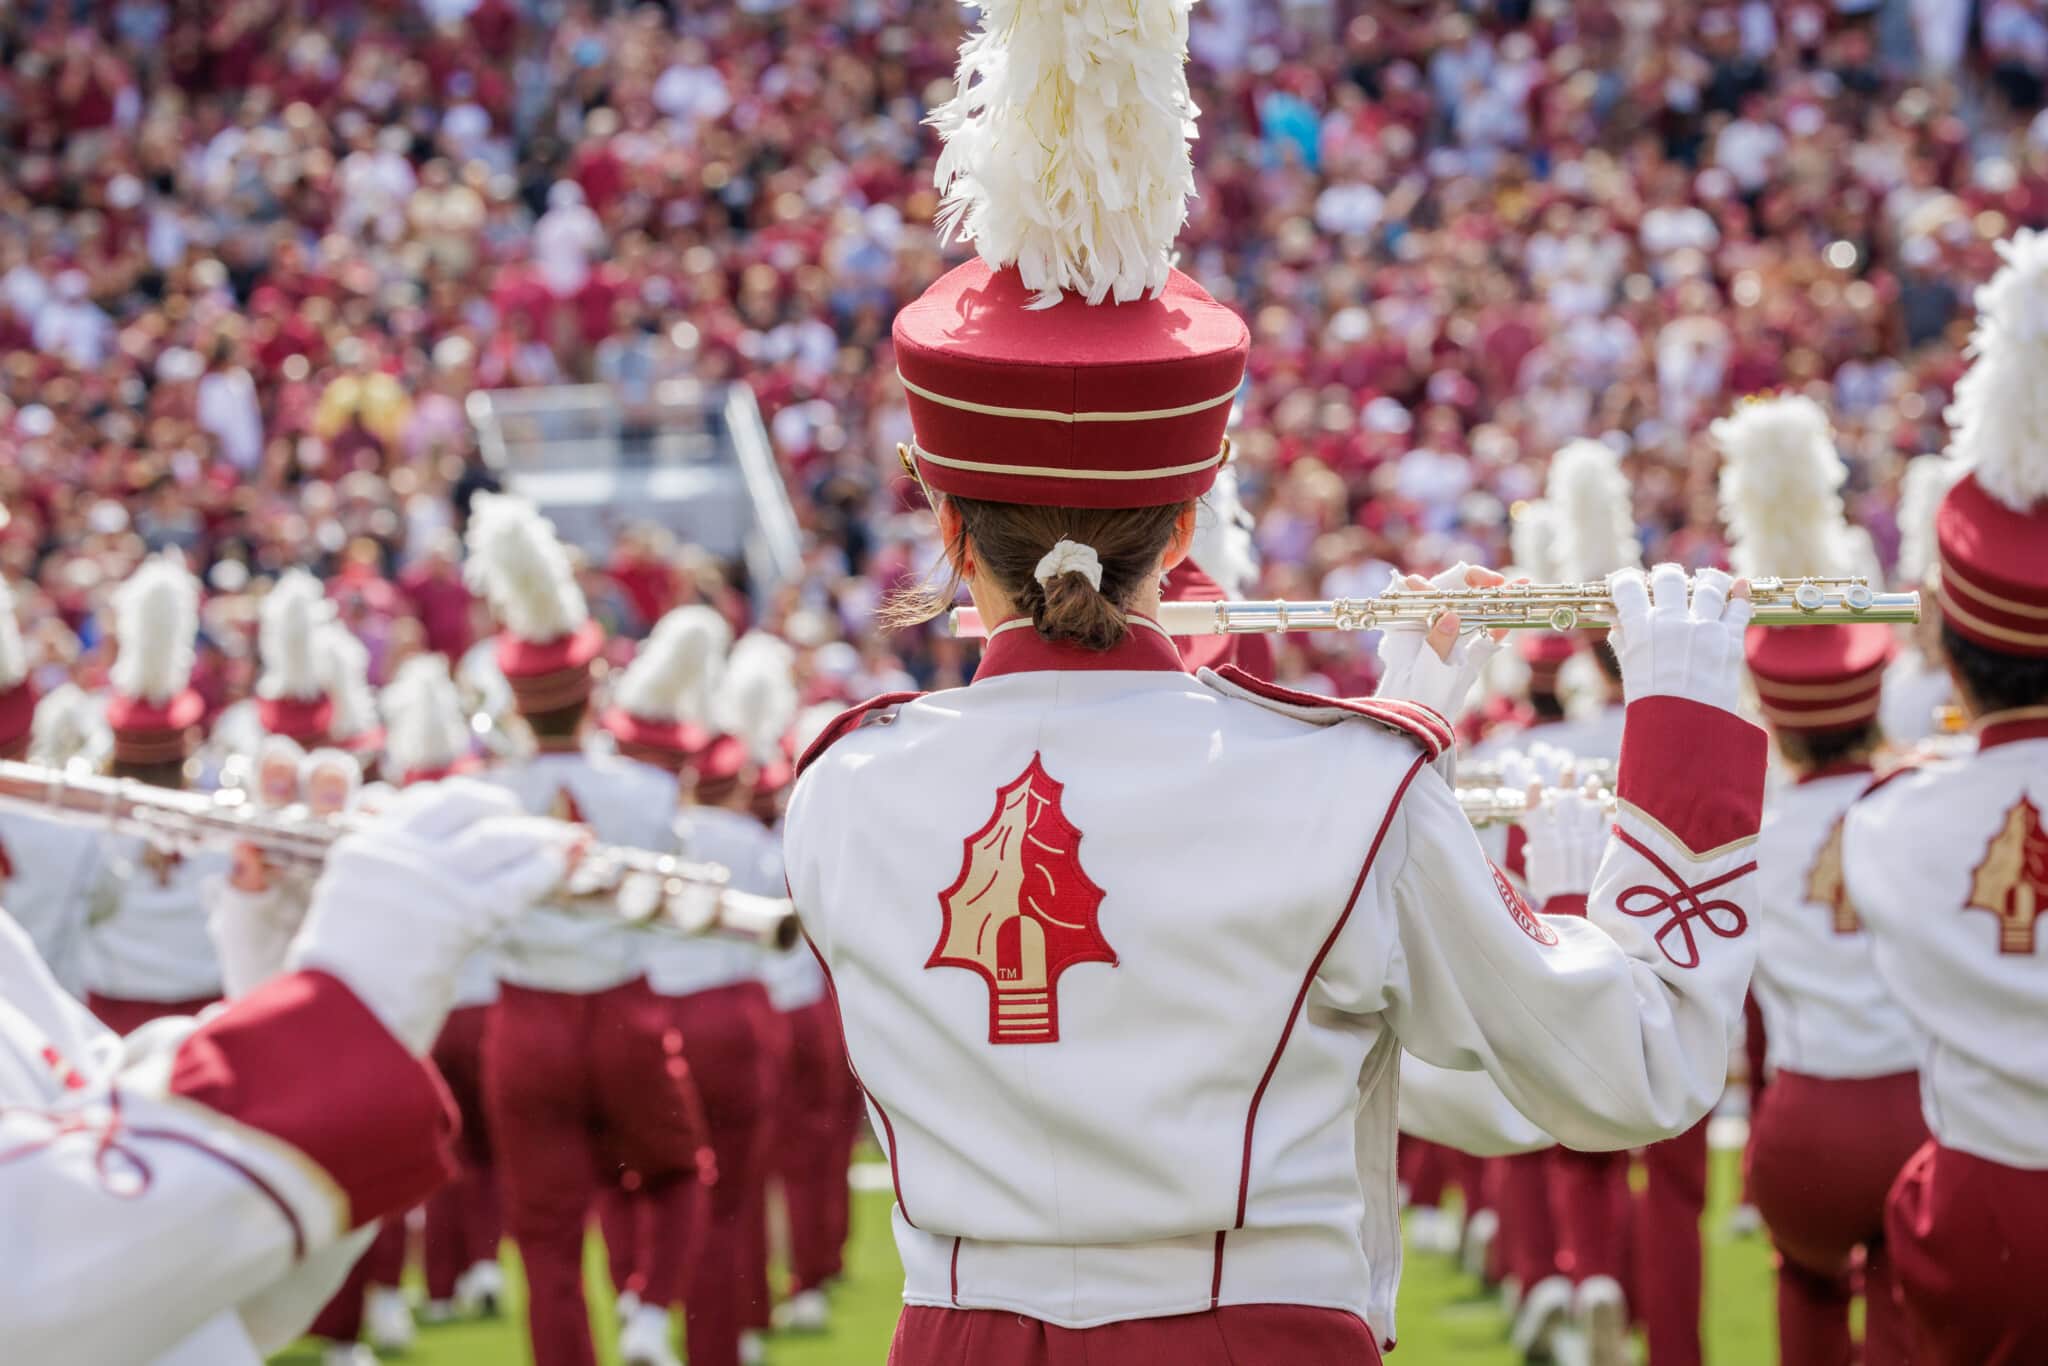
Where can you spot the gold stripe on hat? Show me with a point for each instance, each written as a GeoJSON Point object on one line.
{"type": "Point", "coordinates": [2019, 609]}
{"type": "Point", "coordinates": [1820, 692]}
{"type": "Point", "coordinates": [1056, 472]}
{"type": "Point", "coordinates": [1779, 716]}
{"type": "Point", "coordinates": [1055, 415]}
{"type": "Point", "coordinates": [1950, 607]}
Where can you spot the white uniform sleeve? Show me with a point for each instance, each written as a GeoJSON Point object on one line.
{"type": "Point", "coordinates": [1612, 1031]}
{"type": "Point", "coordinates": [1463, 1110]}
{"type": "Point", "coordinates": [197, 1168]}
{"type": "Point", "coordinates": [251, 930]}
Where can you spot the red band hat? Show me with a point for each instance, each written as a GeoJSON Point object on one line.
{"type": "Point", "coordinates": [152, 708]}
{"type": "Point", "coordinates": [656, 708]}
{"type": "Point", "coordinates": [1069, 366]}
{"type": "Point", "coordinates": [548, 675]}
{"type": "Point", "coordinates": [547, 639]}
{"type": "Point", "coordinates": [1815, 679]}
{"type": "Point", "coordinates": [1991, 531]}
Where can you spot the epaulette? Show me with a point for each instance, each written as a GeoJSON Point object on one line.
{"type": "Point", "coordinates": [1424, 725]}
{"type": "Point", "coordinates": [876, 711]}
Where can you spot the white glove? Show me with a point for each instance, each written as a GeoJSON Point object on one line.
{"type": "Point", "coordinates": [251, 932]}
{"type": "Point", "coordinates": [1411, 671]}
{"type": "Point", "coordinates": [406, 899]}
{"type": "Point", "coordinates": [1668, 649]}
{"type": "Point", "coordinates": [1567, 830]}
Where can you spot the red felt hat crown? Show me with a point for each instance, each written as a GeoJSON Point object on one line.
{"type": "Point", "coordinates": [148, 732]}
{"type": "Point", "coordinates": [1993, 580]}
{"type": "Point", "coordinates": [548, 675]}
{"type": "Point", "coordinates": [1106, 406]}
{"type": "Point", "coordinates": [302, 719]}
{"type": "Point", "coordinates": [1819, 678]}
{"type": "Point", "coordinates": [17, 712]}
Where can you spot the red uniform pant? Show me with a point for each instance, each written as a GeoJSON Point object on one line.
{"type": "Point", "coordinates": [1519, 1191]}
{"type": "Point", "coordinates": [124, 1016]}
{"type": "Point", "coordinates": [1969, 1243]}
{"type": "Point", "coordinates": [1589, 1207]}
{"type": "Point", "coordinates": [341, 1318]}
{"type": "Point", "coordinates": [1665, 1236]}
{"type": "Point", "coordinates": [814, 1143]}
{"type": "Point", "coordinates": [721, 1034]}
{"type": "Point", "coordinates": [1239, 1335]}
{"type": "Point", "coordinates": [463, 1224]}
{"type": "Point", "coordinates": [1823, 1155]}
{"type": "Point", "coordinates": [580, 1090]}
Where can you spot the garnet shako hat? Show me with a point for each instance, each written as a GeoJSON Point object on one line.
{"type": "Point", "coordinates": [427, 733]}
{"type": "Point", "coordinates": [1070, 366]}
{"type": "Point", "coordinates": [1991, 531]}
{"type": "Point", "coordinates": [547, 639]}
{"type": "Point", "coordinates": [291, 694]}
{"type": "Point", "coordinates": [1781, 484]}
{"type": "Point", "coordinates": [153, 710]}
{"type": "Point", "coordinates": [659, 708]}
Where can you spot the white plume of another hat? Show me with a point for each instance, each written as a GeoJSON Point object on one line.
{"type": "Point", "coordinates": [156, 625]}
{"type": "Point", "coordinates": [1999, 421]}
{"type": "Point", "coordinates": [1926, 481]}
{"type": "Point", "coordinates": [1223, 546]}
{"type": "Point", "coordinates": [1595, 510]}
{"type": "Point", "coordinates": [288, 628]}
{"type": "Point", "coordinates": [1781, 491]}
{"type": "Point", "coordinates": [522, 568]}
{"type": "Point", "coordinates": [757, 699]}
{"type": "Point", "coordinates": [345, 673]}
{"type": "Point", "coordinates": [676, 672]}
{"type": "Point", "coordinates": [13, 650]}
{"type": "Point", "coordinates": [1067, 144]}
{"type": "Point", "coordinates": [1532, 541]}
{"type": "Point", "coordinates": [70, 724]}
{"type": "Point", "coordinates": [426, 728]}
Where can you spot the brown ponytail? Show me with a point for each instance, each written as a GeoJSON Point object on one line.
{"type": "Point", "coordinates": [1009, 539]}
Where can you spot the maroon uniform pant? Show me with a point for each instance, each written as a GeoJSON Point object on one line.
{"type": "Point", "coordinates": [463, 1224]}
{"type": "Point", "coordinates": [1519, 1188]}
{"type": "Point", "coordinates": [1666, 1240]}
{"type": "Point", "coordinates": [1589, 1205]}
{"type": "Point", "coordinates": [721, 1034]}
{"type": "Point", "coordinates": [341, 1318]}
{"type": "Point", "coordinates": [1823, 1156]}
{"type": "Point", "coordinates": [1239, 1335]}
{"type": "Point", "coordinates": [1969, 1245]}
{"type": "Point", "coordinates": [813, 1143]}
{"type": "Point", "coordinates": [582, 1088]}
{"type": "Point", "coordinates": [124, 1017]}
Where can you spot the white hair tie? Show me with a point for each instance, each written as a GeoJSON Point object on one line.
{"type": "Point", "coordinates": [1070, 557]}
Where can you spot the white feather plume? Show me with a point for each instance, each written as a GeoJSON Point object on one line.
{"type": "Point", "coordinates": [1781, 490]}
{"type": "Point", "coordinates": [1532, 542]}
{"type": "Point", "coordinates": [676, 672]}
{"type": "Point", "coordinates": [757, 698]}
{"type": "Point", "coordinates": [1595, 510]}
{"type": "Point", "coordinates": [1998, 423]}
{"type": "Point", "coordinates": [1224, 547]}
{"type": "Point", "coordinates": [345, 674]}
{"type": "Point", "coordinates": [288, 628]}
{"type": "Point", "coordinates": [811, 723]}
{"type": "Point", "coordinates": [1067, 144]}
{"type": "Point", "coordinates": [70, 724]}
{"type": "Point", "coordinates": [156, 624]}
{"type": "Point", "coordinates": [426, 728]}
{"type": "Point", "coordinates": [517, 563]}
{"type": "Point", "coordinates": [13, 651]}
{"type": "Point", "coordinates": [1927, 480]}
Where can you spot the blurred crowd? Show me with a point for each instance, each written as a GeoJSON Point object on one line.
{"type": "Point", "coordinates": [255, 253]}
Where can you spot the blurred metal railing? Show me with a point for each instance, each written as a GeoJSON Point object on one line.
{"type": "Point", "coordinates": [694, 459]}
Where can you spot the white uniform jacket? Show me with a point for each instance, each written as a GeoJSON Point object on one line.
{"type": "Point", "coordinates": [184, 1196]}
{"type": "Point", "coordinates": [1126, 959]}
{"type": "Point", "coordinates": [1947, 868]}
{"type": "Point", "coordinates": [559, 948]}
{"type": "Point", "coordinates": [1826, 1012]}
{"type": "Point", "coordinates": [678, 966]}
{"type": "Point", "coordinates": [146, 939]}
{"type": "Point", "coordinates": [46, 878]}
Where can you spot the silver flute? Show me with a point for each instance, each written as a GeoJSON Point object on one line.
{"type": "Point", "coordinates": [1510, 607]}
{"type": "Point", "coordinates": [1488, 773]}
{"type": "Point", "coordinates": [637, 887]}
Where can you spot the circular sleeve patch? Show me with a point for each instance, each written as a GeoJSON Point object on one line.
{"type": "Point", "coordinates": [1532, 924]}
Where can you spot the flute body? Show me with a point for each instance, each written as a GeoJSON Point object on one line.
{"type": "Point", "coordinates": [637, 887]}
{"type": "Point", "coordinates": [1510, 607]}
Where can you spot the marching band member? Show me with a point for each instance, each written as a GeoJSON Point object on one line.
{"type": "Point", "coordinates": [427, 739]}
{"type": "Point", "coordinates": [1839, 1119]}
{"type": "Point", "coordinates": [1947, 869]}
{"type": "Point", "coordinates": [1126, 1012]}
{"type": "Point", "coordinates": [46, 867]}
{"type": "Point", "coordinates": [276, 1124]}
{"type": "Point", "coordinates": [583, 1075]}
{"type": "Point", "coordinates": [345, 674]}
{"type": "Point", "coordinates": [710, 988]}
{"type": "Point", "coordinates": [147, 951]}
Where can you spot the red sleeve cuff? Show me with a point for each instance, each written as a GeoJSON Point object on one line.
{"type": "Point", "coordinates": [1566, 903]}
{"type": "Point", "coordinates": [303, 1060]}
{"type": "Point", "coordinates": [1515, 860]}
{"type": "Point", "coordinates": [1696, 770]}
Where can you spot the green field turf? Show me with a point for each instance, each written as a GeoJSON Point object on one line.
{"type": "Point", "coordinates": [1444, 1319]}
